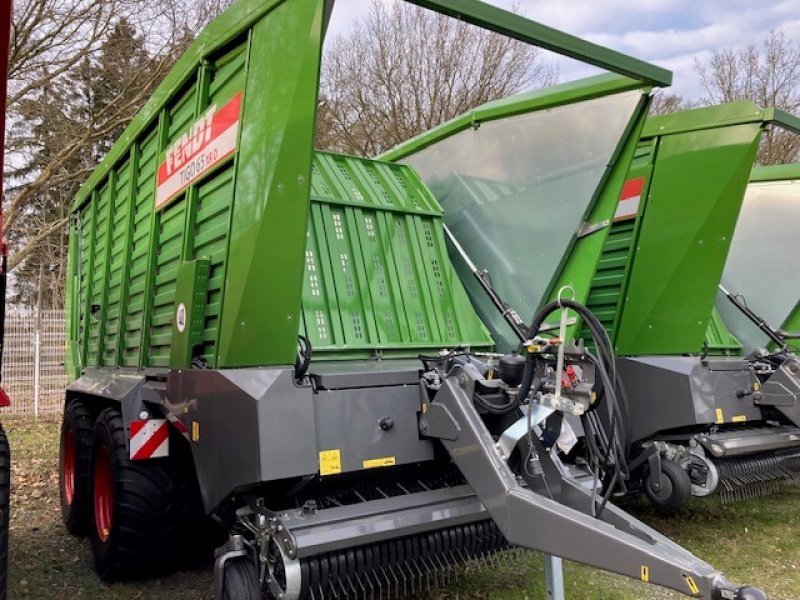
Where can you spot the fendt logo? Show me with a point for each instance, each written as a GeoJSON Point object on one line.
{"type": "Point", "coordinates": [209, 140]}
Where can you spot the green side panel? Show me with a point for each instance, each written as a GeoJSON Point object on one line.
{"type": "Point", "coordinates": [695, 196]}
{"type": "Point", "coordinates": [85, 227]}
{"type": "Point", "coordinates": [719, 340]}
{"type": "Point", "coordinates": [98, 278]}
{"type": "Point", "coordinates": [212, 216]}
{"type": "Point", "coordinates": [168, 256]}
{"type": "Point", "coordinates": [211, 243]}
{"type": "Point", "coordinates": [580, 263]}
{"type": "Point", "coordinates": [191, 291]}
{"type": "Point", "coordinates": [117, 260]}
{"type": "Point", "coordinates": [72, 361]}
{"type": "Point", "coordinates": [607, 293]}
{"type": "Point", "coordinates": [144, 192]}
{"type": "Point", "coordinates": [377, 276]}
{"type": "Point", "coordinates": [261, 302]}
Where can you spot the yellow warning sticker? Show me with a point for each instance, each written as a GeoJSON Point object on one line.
{"type": "Point", "coordinates": [386, 461]}
{"type": "Point", "coordinates": [645, 573]}
{"type": "Point", "coordinates": [330, 462]}
{"type": "Point", "coordinates": [739, 418]}
{"type": "Point", "coordinates": [720, 416]}
{"type": "Point", "coordinates": [693, 587]}
{"type": "Point", "coordinates": [195, 431]}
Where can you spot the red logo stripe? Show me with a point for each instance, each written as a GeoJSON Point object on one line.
{"type": "Point", "coordinates": [632, 188]}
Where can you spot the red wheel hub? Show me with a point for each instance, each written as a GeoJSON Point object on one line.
{"type": "Point", "coordinates": [68, 482]}
{"type": "Point", "coordinates": [103, 493]}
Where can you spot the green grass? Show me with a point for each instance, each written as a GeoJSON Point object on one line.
{"type": "Point", "coordinates": [756, 542]}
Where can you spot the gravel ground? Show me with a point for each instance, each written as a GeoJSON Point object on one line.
{"type": "Point", "coordinates": [755, 542]}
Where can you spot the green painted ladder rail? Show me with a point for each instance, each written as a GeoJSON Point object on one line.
{"type": "Point", "coordinates": [761, 264]}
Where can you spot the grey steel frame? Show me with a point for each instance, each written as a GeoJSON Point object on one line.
{"type": "Point", "coordinates": [614, 541]}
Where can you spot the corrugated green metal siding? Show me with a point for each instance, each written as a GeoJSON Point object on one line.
{"type": "Point", "coordinates": [214, 202]}
{"type": "Point", "coordinates": [609, 278]}
{"type": "Point", "coordinates": [117, 258]}
{"type": "Point", "coordinates": [377, 275]}
{"type": "Point", "coordinates": [378, 278]}
{"type": "Point", "coordinates": [605, 297]}
{"type": "Point", "coordinates": [140, 249]}
{"type": "Point", "coordinates": [168, 257]}
{"type": "Point", "coordinates": [170, 229]}
{"type": "Point", "coordinates": [129, 254]}
{"type": "Point", "coordinates": [98, 279]}
{"type": "Point", "coordinates": [127, 251]}
{"type": "Point", "coordinates": [211, 241]}
{"type": "Point", "coordinates": [85, 244]}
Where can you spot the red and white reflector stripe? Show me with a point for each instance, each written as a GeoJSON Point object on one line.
{"type": "Point", "coordinates": [629, 199]}
{"type": "Point", "coordinates": [149, 439]}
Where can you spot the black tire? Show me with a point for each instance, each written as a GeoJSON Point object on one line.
{"type": "Point", "coordinates": [241, 580]}
{"type": "Point", "coordinates": [676, 487]}
{"type": "Point", "coordinates": [144, 529]}
{"type": "Point", "coordinates": [5, 508]}
{"type": "Point", "coordinates": [74, 461]}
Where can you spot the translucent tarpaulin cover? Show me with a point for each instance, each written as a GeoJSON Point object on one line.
{"type": "Point", "coordinates": [515, 191]}
{"type": "Point", "coordinates": [762, 264]}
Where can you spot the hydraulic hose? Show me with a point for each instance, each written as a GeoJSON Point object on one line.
{"type": "Point", "coordinates": [612, 450]}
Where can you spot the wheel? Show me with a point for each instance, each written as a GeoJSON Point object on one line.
{"type": "Point", "coordinates": [676, 487]}
{"type": "Point", "coordinates": [5, 506]}
{"type": "Point", "coordinates": [143, 513]}
{"type": "Point", "coordinates": [241, 580]}
{"type": "Point", "coordinates": [74, 465]}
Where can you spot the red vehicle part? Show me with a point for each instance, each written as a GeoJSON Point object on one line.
{"type": "Point", "coordinates": [6, 10]}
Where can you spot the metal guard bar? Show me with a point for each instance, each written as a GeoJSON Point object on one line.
{"type": "Point", "coordinates": [522, 29]}
{"type": "Point", "coordinates": [562, 526]}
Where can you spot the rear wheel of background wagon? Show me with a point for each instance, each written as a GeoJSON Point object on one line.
{"type": "Point", "coordinates": [241, 580]}
{"type": "Point", "coordinates": [5, 513]}
{"type": "Point", "coordinates": [676, 487]}
{"type": "Point", "coordinates": [74, 466]}
{"type": "Point", "coordinates": [143, 513]}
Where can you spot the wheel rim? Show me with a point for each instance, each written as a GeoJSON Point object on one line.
{"type": "Point", "coordinates": [69, 468]}
{"type": "Point", "coordinates": [103, 493]}
{"type": "Point", "coordinates": [666, 488]}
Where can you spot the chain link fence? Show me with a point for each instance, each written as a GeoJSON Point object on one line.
{"type": "Point", "coordinates": [33, 362]}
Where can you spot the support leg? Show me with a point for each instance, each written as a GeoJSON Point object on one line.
{"type": "Point", "coordinates": [554, 577]}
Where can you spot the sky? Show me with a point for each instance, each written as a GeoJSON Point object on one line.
{"type": "Point", "coordinates": [669, 33]}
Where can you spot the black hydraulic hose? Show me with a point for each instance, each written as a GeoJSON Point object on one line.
{"type": "Point", "coordinates": [754, 318]}
{"type": "Point", "coordinates": [301, 367]}
{"type": "Point", "coordinates": [611, 447]}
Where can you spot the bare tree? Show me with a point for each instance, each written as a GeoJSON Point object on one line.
{"type": "Point", "coordinates": [768, 73]}
{"type": "Point", "coordinates": [79, 71]}
{"type": "Point", "coordinates": [664, 103]}
{"type": "Point", "coordinates": [403, 70]}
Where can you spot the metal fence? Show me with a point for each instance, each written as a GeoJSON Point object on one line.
{"type": "Point", "coordinates": [33, 362]}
